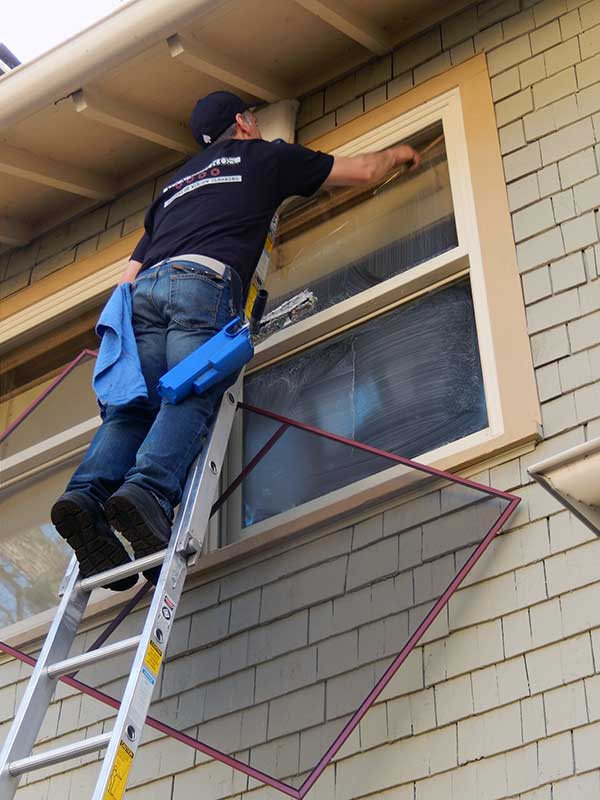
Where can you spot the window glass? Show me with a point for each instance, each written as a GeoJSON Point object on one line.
{"type": "Point", "coordinates": [33, 557]}
{"type": "Point", "coordinates": [347, 240]}
{"type": "Point", "coordinates": [407, 381]}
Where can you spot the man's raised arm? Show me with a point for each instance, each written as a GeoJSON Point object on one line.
{"type": "Point", "coordinates": [367, 168]}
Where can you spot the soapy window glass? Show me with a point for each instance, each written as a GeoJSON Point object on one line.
{"type": "Point", "coordinates": [407, 381]}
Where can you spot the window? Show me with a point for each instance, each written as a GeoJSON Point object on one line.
{"type": "Point", "coordinates": [38, 459]}
{"type": "Point", "coordinates": [401, 345]}
{"type": "Point", "coordinates": [70, 404]}
{"type": "Point", "coordinates": [407, 381]}
{"type": "Point", "coordinates": [345, 241]}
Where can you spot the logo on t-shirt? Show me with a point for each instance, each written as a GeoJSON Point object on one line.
{"type": "Point", "coordinates": [208, 175]}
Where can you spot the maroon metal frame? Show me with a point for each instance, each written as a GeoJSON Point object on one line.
{"type": "Point", "coordinates": [341, 738]}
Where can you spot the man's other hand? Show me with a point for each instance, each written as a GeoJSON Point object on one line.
{"type": "Point", "coordinates": [130, 272]}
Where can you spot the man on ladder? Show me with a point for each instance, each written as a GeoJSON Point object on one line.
{"type": "Point", "coordinates": [190, 274]}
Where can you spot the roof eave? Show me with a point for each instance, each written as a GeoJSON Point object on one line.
{"type": "Point", "coordinates": [109, 42]}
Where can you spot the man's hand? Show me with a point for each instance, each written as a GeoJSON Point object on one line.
{"type": "Point", "coordinates": [130, 272]}
{"type": "Point", "coordinates": [368, 168]}
{"type": "Point", "coordinates": [408, 155]}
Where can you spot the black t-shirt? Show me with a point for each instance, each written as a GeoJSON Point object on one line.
{"type": "Point", "coordinates": [220, 203]}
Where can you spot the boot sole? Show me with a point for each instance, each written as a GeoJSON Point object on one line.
{"type": "Point", "coordinates": [125, 517]}
{"type": "Point", "coordinates": [94, 551]}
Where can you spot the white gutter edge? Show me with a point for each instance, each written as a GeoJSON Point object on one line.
{"type": "Point", "coordinates": [127, 32]}
{"type": "Point", "coordinates": [576, 453]}
{"type": "Point", "coordinates": [572, 478]}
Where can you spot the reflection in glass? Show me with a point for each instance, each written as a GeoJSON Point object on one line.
{"type": "Point", "coordinates": [33, 557]}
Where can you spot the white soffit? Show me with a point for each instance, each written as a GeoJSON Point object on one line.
{"type": "Point", "coordinates": [106, 110]}
{"type": "Point", "coordinates": [573, 477]}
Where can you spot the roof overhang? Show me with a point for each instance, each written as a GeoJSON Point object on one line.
{"type": "Point", "coordinates": [573, 478]}
{"type": "Point", "coordinates": [107, 109]}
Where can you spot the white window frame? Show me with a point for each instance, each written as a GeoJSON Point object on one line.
{"type": "Point", "coordinates": [462, 261]}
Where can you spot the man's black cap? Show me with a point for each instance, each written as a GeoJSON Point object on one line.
{"type": "Point", "coordinates": [214, 114]}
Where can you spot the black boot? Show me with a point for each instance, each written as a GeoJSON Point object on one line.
{"type": "Point", "coordinates": [81, 523]}
{"type": "Point", "coordinates": [137, 514]}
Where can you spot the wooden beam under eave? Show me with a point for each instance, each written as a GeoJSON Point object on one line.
{"type": "Point", "coordinates": [246, 78]}
{"type": "Point", "coordinates": [136, 121]}
{"type": "Point", "coordinates": [14, 233]}
{"type": "Point", "coordinates": [347, 21]}
{"type": "Point", "coordinates": [46, 171]}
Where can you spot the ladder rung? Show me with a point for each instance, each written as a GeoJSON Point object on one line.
{"type": "Point", "coordinates": [103, 578]}
{"type": "Point", "coordinates": [50, 757]}
{"type": "Point", "coordinates": [92, 657]}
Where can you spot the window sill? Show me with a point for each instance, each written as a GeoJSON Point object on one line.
{"type": "Point", "coordinates": [50, 452]}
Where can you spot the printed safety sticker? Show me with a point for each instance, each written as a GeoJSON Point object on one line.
{"type": "Point", "coordinates": [120, 772]}
{"type": "Point", "coordinates": [167, 611]}
{"type": "Point", "coordinates": [153, 657]}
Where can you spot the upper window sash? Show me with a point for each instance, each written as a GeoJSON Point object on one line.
{"type": "Point", "coordinates": [407, 285]}
{"type": "Point", "coordinates": [447, 109]}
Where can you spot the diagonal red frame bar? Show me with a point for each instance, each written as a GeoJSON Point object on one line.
{"type": "Point", "coordinates": [334, 437]}
{"type": "Point", "coordinates": [196, 744]}
{"type": "Point", "coordinates": [339, 741]}
{"type": "Point", "coordinates": [48, 390]}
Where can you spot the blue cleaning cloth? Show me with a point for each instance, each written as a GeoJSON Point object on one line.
{"type": "Point", "coordinates": [118, 378]}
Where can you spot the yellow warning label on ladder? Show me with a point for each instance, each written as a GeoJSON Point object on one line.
{"type": "Point", "coordinates": [120, 772]}
{"type": "Point", "coordinates": [153, 657]}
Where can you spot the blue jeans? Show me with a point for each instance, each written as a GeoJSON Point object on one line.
{"type": "Point", "coordinates": [177, 306]}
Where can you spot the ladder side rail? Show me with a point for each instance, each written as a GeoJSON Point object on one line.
{"type": "Point", "coordinates": [192, 520]}
{"type": "Point", "coordinates": [40, 689]}
{"type": "Point", "coordinates": [191, 524]}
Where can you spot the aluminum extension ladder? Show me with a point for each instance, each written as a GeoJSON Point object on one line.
{"type": "Point", "coordinates": [186, 542]}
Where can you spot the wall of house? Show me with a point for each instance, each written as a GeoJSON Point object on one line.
{"type": "Point", "coordinates": [503, 699]}
{"type": "Point", "coordinates": [76, 239]}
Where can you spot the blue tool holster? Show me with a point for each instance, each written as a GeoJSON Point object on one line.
{"type": "Point", "coordinates": [222, 355]}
